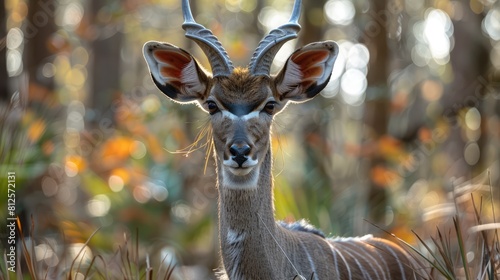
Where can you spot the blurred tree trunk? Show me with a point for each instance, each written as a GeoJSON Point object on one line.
{"type": "Point", "coordinates": [4, 90]}
{"type": "Point", "coordinates": [313, 22]}
{"type": "Point", "coordinates": [254, 28]}
{"type": "Point", "coordinates": [39, 28]}
{"type": "Point", "coordinates": [377, 106]}
{"type": "Point", "coordinates": [106, 44]}
{"type": "Point", "coordinates": [317, 180]}
{"type": "Point", "coordinates": [469, 61]}
{"type": "Point", "coordinates": [39, 50]}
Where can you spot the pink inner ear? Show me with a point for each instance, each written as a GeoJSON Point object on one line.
{"type": "Point", "coordinates": [309, 58]}
{"type": "Point", "coordinates": [171, 64]}
{"type": "Point", "coordinates": [312, 72]}
{"type": "Point", "coordinates": [168, 71]}
{"type": "Point", "coordinates": [311, 65]}
{"type": "Point", "coordinates": [174, 59]}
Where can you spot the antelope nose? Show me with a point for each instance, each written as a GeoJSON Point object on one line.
{"type": "Point", "coordinates": [239, 152]}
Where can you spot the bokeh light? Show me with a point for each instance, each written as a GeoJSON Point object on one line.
{"type": "Point", "coordinates": [236, 6]}
{"type": "Point", "coordinates": [435, 38]}
{"type": "Point", "coordinates": [99, 205]}
{"type": "Point", "coordinates": [353, 84]}
{"type": "Point", "coordinates": [141, 193]}
{"type": "Point", "coordinates": [437, 32]}
{"type": "Point", "coordinates": [339, 11]}
{"type": "Point", "coordinates": [45, 253]}
{"type": "Point", "coordinates": [358, 57]}
{"type": "Point", "coordinates": [491, 23]}
{"type": "Point", "coordinates": [116, 183]}
{"type": "Point", "coordinates": [473, 118]}
{"type": "Point", "coordinates": [72, 15]}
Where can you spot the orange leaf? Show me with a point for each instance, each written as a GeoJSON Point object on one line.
{"type": "Point", "coordinates": [390, 147]}
{"type": "Point", "coordinates": [48, 147]}
{"type": "Point", "coordinates": [425, 134]}
{"type": "Point", "coordinates": [405, 234]}
{"type": "Point", "coordinates": [36, 130]}
{"type": "Point", "coordinates": [383, 177]}
{"type": "Point", "coordinates": [75, 163]}
{"type": "Point", "coordinates": [122, 173]}
{"type": "Point", "coordinates": [155, 148]}
{"type": "Point", "coordinates": [117, 147]}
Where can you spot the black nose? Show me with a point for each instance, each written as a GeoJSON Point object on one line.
{"type": "Point", "coordinates": [239, 151]}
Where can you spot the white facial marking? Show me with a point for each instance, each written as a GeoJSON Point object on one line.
{"type": "Point", "coordinates": [248, 164]}
{"type": "Point", "coordinates": [235, 177]}
{"type": "Point", "coordinates": [234, 181]}
{"type": "Point", "coordinates": [240, 171]}
{"type": "Point", "coordinates": [254, 114]}
{"type": "Point", "coordinates": [251, 115]}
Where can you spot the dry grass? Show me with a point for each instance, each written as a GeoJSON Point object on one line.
{"type": "Point", "coordinates": [457, 251]}
{"type": "Point", "coordinates": [468, 248]}
{"type": "Point", "coordinates": [124, 263]}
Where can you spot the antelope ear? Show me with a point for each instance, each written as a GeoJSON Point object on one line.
{"type": "Point", "coordinates": [175, 72]}
{"type": "Point", "coordinates": [307, 71]}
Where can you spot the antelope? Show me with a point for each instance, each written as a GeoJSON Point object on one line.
{"type": "Point", "coordinates": [242, 103]}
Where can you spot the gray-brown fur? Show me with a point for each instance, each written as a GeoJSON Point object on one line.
{"type": "Point", "coordinates": [242, 106]}
{"type": "Point", "coordinates": [251, 214]}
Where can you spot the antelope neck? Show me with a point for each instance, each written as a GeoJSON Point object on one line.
{"type": "Point", "coordinates": [239, 207]}
{"type": "Point", "coordinates": [247, 222]}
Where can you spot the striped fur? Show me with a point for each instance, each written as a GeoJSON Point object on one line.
{"type": "Point", "coordinates": [267, 249]}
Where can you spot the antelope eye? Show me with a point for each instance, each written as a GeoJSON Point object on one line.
{"type": "Point", "coordinates": [270, 107]}
{"type": "Point", "coordinates": [212, 107]}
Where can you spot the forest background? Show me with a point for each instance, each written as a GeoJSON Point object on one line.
{"type": "Point", "coordinates": [408, 125]}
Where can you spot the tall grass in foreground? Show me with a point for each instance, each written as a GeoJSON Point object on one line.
{"type": "Point", "coordinates": [79, 264]}
{"type": "Point", "coordinates": [467, 246]}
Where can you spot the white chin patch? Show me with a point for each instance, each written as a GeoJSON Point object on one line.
{"type": "Point", "coordinates": [240, 171]}
{"type": "Point", "coordinates": [240, 178]}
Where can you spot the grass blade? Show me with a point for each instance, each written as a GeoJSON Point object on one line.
{"type": "Point", "coordinates": [81, 250]}
{"type": "Point", "coordinates": [456, 223]}
{"type": "Point", "coordinates": [27, 256]}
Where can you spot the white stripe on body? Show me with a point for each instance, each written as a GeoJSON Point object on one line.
{"type": "Point", "coordinates": [367, 259]}
{"type": "Point", "coordinates": [401, 268]}
{"type": "Point", "coordinates": [311, 262]}
{"type": "Point", "coordinates": [342, 257]}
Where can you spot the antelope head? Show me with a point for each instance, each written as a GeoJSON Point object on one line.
{"type": "Point", "coordinates": [241, 101]}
